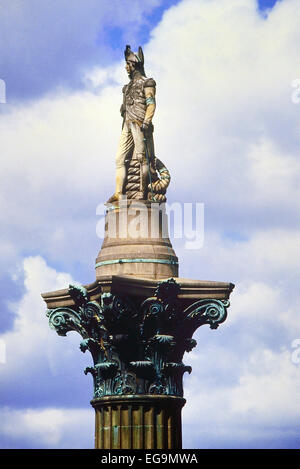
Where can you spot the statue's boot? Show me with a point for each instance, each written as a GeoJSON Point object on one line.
{"type": "Point", "coordinates": [114, 198]}
{"type": "Point", "coordinates": [119, 187]}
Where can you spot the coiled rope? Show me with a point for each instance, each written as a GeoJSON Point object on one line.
{"type": "Point", "coordinates": [160, 180]}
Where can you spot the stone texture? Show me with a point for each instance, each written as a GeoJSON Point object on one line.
{"type": "Point", "coordinates": [137, 242]}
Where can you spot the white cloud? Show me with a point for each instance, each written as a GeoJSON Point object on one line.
{"type": "Point", "coordinates": [260, 409]}
{"type": "Point", "coordinates": [30, 333]}
{"type": "Point", "coordinates": [48, 428]}
{"type": "Point", "coordinates": [63, 142]}
{"type": "Point", "coordinates": [41, 367]}
{"type": "Point", "coordinates": [268, 389]}
{"type": "Point", "coordinates": [33, 351]}
{"type": "Point", "coordinates": [269, 256]}
{"type": "Point", "coordinates": [228, 125]}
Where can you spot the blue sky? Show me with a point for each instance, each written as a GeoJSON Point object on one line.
{"type": "Point", "coordinates": [47, 51]}
{"type": "Point", "coordinates": [228, 130]}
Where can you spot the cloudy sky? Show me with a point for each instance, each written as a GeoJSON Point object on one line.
{"type": "Point", "coordinates": [227, 127]}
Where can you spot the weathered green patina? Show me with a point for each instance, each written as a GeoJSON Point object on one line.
{"type": "Point", "coordinates": [137, 260]}
{"type": "Point", "coordinates": [137, 347]}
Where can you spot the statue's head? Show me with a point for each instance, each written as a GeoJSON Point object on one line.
{"type": "Point", "coordinates": [134, 61]}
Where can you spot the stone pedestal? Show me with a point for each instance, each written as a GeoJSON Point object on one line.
{"type": "Point", "coordinates": [137, 242]}
{"type": "Point", "coordinates": [137, 320]}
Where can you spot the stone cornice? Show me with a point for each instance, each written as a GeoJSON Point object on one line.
{"type": "Point", "coordinates": [190, 290]}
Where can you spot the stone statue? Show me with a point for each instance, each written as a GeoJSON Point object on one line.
{"type": "Point", "coordinates": [139, 174]}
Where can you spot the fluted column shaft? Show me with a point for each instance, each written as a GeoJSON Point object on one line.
{"type": "Point", "coordinates": [138, 422]}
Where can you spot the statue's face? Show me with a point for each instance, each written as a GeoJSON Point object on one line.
{"type": "Point", "coordinates": [129, 68]}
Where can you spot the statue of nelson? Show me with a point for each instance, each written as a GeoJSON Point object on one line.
{"type": "Point", "coordinates": [137, 111]}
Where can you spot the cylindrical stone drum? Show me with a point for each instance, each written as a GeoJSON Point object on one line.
{"type": "Point", "coordinates": [137, 242]}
